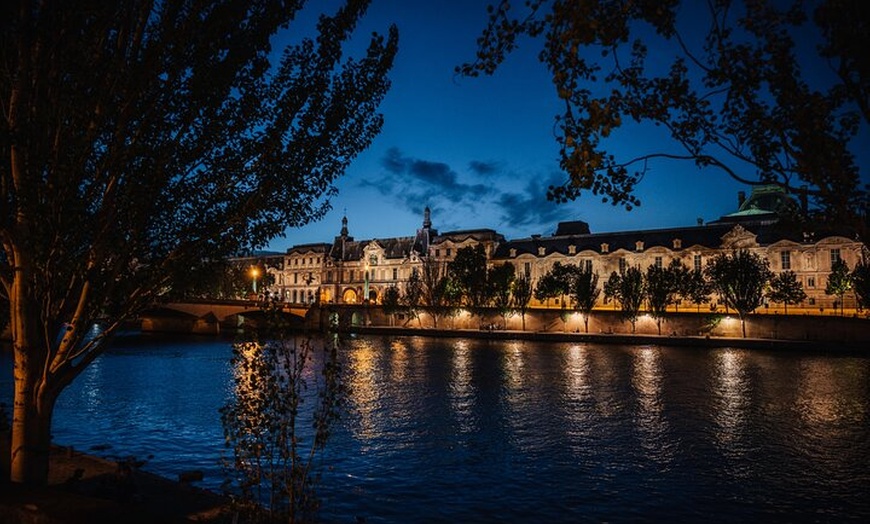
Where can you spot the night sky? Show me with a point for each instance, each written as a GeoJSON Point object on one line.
{"type": "Point", "coordinates": [480, 152]}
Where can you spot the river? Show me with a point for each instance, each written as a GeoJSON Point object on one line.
{"type": "Point", "coordinates": [462, 430]}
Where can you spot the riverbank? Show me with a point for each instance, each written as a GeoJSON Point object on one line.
{"type": "Point", "coordinates": [620, 338]}
{"type": "Point", "coordinates": [86, 489]}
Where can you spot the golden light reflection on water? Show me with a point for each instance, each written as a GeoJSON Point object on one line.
{"type": "Point", "coordinates": [830, 394]}
{"type": "Point", "coordinates": [399, 361]}
{"type": "Point", "coordinates": [731, 400]}
{"type": "Point", "coordinates": [363, 389]}
{"type": "Point", "coordinates": [646, 379]}
{"type": "Point", "coordinates": [462, 390]}
{"type": "Point", "coordinates": [514, 368]}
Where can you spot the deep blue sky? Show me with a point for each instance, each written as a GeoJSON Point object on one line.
{"type": "Point", "coordinates": [480, 152]}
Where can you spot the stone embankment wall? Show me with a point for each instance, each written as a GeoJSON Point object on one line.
{"type": "Point", "coordinates": [684, 324]}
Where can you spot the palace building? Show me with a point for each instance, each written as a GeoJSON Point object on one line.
{"type": "Point", "coordinates": [350, 271]}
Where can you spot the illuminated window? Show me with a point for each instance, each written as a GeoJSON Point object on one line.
{"type": "Point", "coordinates": [572, 250]}
{"type": "Point", "coordinates": [542, 251]}
{"type": "Point", "coordinates": [513, 252]}
{"type": "Point", "coordinates": [678, 243]}
{"type": "Point", "coordinates": [638, 245]}
{"type": "Point", "coordinates": [785, 260]}
{"type": "Point", "coordinates": [605, 248]}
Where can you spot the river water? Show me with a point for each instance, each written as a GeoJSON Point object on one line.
{"type": "Point", "coordinates": [462, 430]}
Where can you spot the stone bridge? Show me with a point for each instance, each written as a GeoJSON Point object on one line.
{"type": "Point", "coordinates": [212, 317]}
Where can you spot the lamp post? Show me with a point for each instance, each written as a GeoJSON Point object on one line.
{"type": "Point", "coordinates": [254, 274]}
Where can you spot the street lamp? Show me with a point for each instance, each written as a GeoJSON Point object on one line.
{"type": "Point", "coordinates": [254, 274]}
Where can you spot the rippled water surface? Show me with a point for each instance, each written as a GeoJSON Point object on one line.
{"type": "Point", "coordinates": [458, 430]}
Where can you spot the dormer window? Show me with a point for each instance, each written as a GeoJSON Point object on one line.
{"type": "Point", "coordinates": [513, 253]}
{"type": "Point", "coordinates": [572, 249]}
{"type": "Point", "coordinates": [605, 248]}
{"type": "Point", "coordinates": [638, 245]}
{"type": "Point", "coordinates": [678, 243]}
{"type": "Point", "coordinates": [542, 251]}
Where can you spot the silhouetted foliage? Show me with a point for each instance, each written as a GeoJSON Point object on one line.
{"type": "Point", "coordinates": [521, 295]}
{"type": "Point", "coordinates": [468, 272]}
{"type": "Point", "coordinates": [661, 288]}
{"type": "Point", "coordinates": [723, 80]}
{"type": "Point", "coordinates": [786, 290]}
{"type": "Point", "coordinates": [142, 141]}
{"type": "Point", "coordinates": [861, 283]}
{"type": "Point", "coordinates": [412, 298]}
{"type": "Point", "coordinates": [286, 400]}
{"type": "Point", "coordinates": [392, 301]}
{"type": "Point", "coordinates": [629, 290]}
{"type": "Point", "coordinates": [584, 290]}
{"type": "Point", "coordinates": [740, 279]}
{"type": "Point", "coordinates": [500, 281]}
{"type": "Point", "coordinates": [839, 281]}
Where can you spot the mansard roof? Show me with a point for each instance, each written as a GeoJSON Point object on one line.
{"type": "Point", "coordinates": [709, 236]}
{"type": "Point", "coordinates": [351, 250]}
{"type": "Point", "coordinates": [464, 234]}
{"type": "Point", "coordinates": [319, 247]}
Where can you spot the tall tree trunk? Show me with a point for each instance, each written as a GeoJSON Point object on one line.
{"type": "Point", "coordinates": [34, 399]}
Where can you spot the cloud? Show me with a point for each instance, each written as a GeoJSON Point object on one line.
{"type": "Point", "coordinates": [483, 168]}
{"type": "Point", "coordinates": [516, 202]}
{"type": "Point", "coordinates": [530, 208]}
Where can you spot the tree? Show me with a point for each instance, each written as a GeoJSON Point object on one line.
{"type": "Point", "coordinates": [724, 81]}
{"type": "Point", "coordinates": [281, 393]}
{"type": "Point", "coordinates": [785, 289]}
{"type": "Point", "coordinates": [179, 143]}
{"type": "Point", "coordinates": [740, 279]}
{"type": "Point", "coordinates": [839, 281]}
{"type": "Point", "coordinates": [629, 290]}
{"type": "Point", "coordinates": [468, 271]}
{"type": "Point", "coordinates": [413, 295]}
{"type": "Point", "coordinates": [584, 292]}
{"type": "Point", "coordinates": [500, 280]}
{"type": "Point", "coordinates": [392, 301]}
{"type": "Point", "coordinates": [522, 295]}
{"type": "Point", "coordinates": [440, 294]}
{"type": "Point", "coordinates": [861, 283]}
{"type": "Point", "coordinates": [660, 290]}
{"type": "Point", "coordinates": [697, 288]}
{"type": "Point", "coordinates": [682, 279]}
{"type": "Point", "coordinates": [556, 282]}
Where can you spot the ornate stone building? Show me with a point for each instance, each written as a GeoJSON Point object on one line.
{"type": "Point", "coordinates": [349, 271]}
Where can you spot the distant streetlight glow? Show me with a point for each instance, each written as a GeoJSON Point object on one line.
{"type": "Point", "coordinates": [254, 274]}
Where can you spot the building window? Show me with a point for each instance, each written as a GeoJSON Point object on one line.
{"type": "Point", "coordinates": [295, 297]}
{"type": "Point", "coordinates": [835, 256]}
{"type": "Point", "coordinates": [395, 273]}
{"type": "Point", "coordinates": [329, 277]}
{"type": "Point", "coordinates": [513, 252]}
{"type": "Point", "coordinates": [811, 281]}
{"type": "Point", "coordinates": [605, 248]}
{"type": "Point", "coordinates": [295, 261]}
{"type": "Point", "coordinates": [527, 269]}
{"type": "Point", "coordinates": [295, 278]}
{"type": "Point", "coordinates": [622, 265]}
{"type": "Point", "coordinates": [785, 260]}
{"type": "Point", "coordinates": [449, 252]}
{"type": "Point", "coordinates": [588, 265]}
{"type": "Point", "coordinates": [542, 251]}
{"type": "Point", "coordinates": [659, 262]}
{"type": "Point", "coordinates": [437, 252]}
{"type": "Point", "coordinates": [696, 262]}
{"type": "Point", "coordinates": [678, 243]}
{"type": "Point", "coordinates": [572, 249]}
{"type": "Point", "coordinates": [638, 245]}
